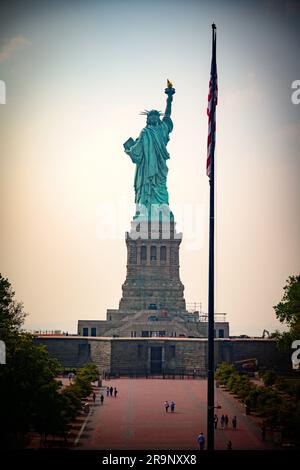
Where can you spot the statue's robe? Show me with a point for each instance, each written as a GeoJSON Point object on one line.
{"type": "Point", "coordinates": [149, 153]}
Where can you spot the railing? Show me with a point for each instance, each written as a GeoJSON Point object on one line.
{"type": "Point", "coordinates": [50, 333]}
{"type": "Point", "coordinates": [196, 308]}
{"type": "Point", "coordinates": [177, 373]}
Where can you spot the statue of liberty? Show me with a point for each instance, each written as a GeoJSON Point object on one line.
{"type": "Point", "coordinates": [149, 153]}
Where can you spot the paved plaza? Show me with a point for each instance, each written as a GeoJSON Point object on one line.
{"type": "Point", "coordinates": [136, 418]}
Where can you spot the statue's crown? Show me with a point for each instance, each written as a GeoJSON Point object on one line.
{"type": "Point", "coordinates": [152, 111]}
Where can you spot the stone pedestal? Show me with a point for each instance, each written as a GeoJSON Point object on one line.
{"type": "Point", "coordinates": [152, 280]}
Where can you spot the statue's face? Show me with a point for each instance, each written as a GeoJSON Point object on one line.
{"type": "Point", "coordinates": [153, 119]}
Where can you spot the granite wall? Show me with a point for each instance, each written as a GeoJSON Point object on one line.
{"type": "Point", "coordinates": [178, 355]}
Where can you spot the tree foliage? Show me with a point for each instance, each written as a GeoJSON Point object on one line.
{"type": "Point", "coordinates": [278, 401]}
{"type": "Point", "coordinates": [30, 396]}
{"type": "Point", "coordinates": [12, 314]}
{"type": "Point", "coordinates": [28, 389]}
{"type": "Point", "coordinates": [288, 312]}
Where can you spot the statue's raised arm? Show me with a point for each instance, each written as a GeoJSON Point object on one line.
{"type": "Point", "coordinates": [170, 92]}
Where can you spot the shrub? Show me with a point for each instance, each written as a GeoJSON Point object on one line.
{"type": "Point", "coordinates": [282, 384]}
{"type": "Point", "coordinates": [268, 401]}
{"type": "Point", "coordinates": [269, 377]}
{"type": "Point", "coordinates": [224, 371]}
{"type": "Point", "coordinates": [87, 374]}
{"type": "Point", "coordinates": [72, 401]}
{"type": "Point", "coordinates": [251, 398]}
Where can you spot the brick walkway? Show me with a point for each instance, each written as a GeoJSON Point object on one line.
{"type": "Point", "coordinates": [136, 418]}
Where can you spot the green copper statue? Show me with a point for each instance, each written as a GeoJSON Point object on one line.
{"type": "Point", "coordinates": [150, 155]}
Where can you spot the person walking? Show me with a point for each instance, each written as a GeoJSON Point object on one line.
{"type": "Point", "coordinates": [234, 423]}
{"type": "Point", "coordinates": [101, 398]}
{"type": "Point", "coordinates": [229, 445]}
{"type": "Point", "coordinates": [107, 391]}
{"type": "Point", "coordinates": [167, 406]}
{"type": "Point", "coordinates": [111, 391]}
{"type": "Point", "coordinates": [216, 419]}
{"type": "Point", "coordinates": [172, 406]}
{"type": "Point", "coordinates": [222, 421]}
{"type": "Point", "coordinates": [201, 441]}
{"type": "Point", "coordinates": [115, 392]}
{"type": "Point", "coordinates": [226, 421]}
{"type": "Point", "coordinates": [94, 397]}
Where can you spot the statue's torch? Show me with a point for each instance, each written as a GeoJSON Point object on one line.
{"type": "Point", "coordinates": [169, 90]}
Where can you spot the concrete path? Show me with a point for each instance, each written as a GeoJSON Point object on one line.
{"type": "Point", "coordinates": [136, 418]}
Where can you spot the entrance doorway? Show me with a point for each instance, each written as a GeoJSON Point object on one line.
{"type": "Point", "coordinates": [156, 360]}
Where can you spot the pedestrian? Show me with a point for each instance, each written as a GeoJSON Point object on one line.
{"type": "Point", "coordinates": [172, 407]}
{"type": "Point", "coordinates": [111, 391]}
{"type": "Point", "coordinates": [222, 421]}
{"type": "Point", "coordinates": [229, 445]}
{"type": "Point", "coordinates": [226, 420]}
{"type": "Point", "coordinates": [167, 406]}
{"type": "Point", "coordinates": [102, 398]}
{"type": "Point", "coordinates": [234, 422]}
{"type": "Point", "coordinates": [115, 392]}
{"type": "Point", "coordinates": [94, 397]}
{"type": "Point", "coordinates": [216, 419]}
{"type": "Point", "coordinates": [107, 391]}
{"type": "Point", "coordinates": [201, 441]}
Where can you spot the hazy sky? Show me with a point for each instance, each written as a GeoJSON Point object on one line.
{"type": "Point", "coordinates": [77, 76]}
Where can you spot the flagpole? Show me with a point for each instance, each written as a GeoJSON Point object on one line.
{"type": "Point", "coordinates": [211, 365]}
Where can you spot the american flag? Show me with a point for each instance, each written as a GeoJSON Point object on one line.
{"type": "Point", "coordinates": [211, 106]}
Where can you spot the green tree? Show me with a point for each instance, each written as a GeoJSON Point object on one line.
{"type": "Point", "coordinates": [52, 418]}
{"type": "Point", "coordinates": [29, 394]}
{"type": "Point", "coordinates": [87, 374]}
{"type": "Point", "coordinates": [288, 312]}
{"type": "Point", "coordinates": [269, 377]}
{"type": "Point", "coordinates": [28, 390]}
{"type": "Point", "coordinates": [72, 401]}
{"type": "Point", "coordinates": [12, 314]}
{"type": "Point", "coordinates": [224, 372]}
